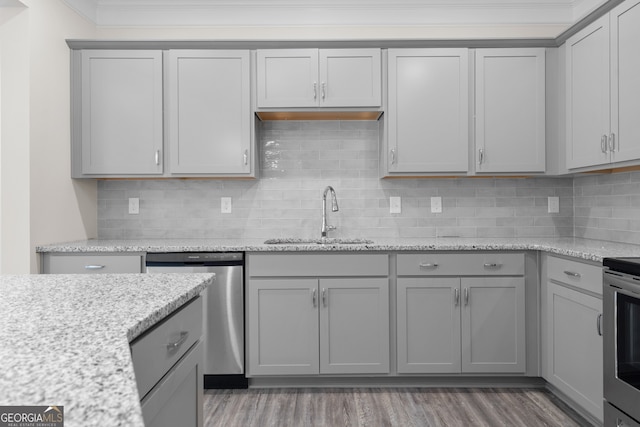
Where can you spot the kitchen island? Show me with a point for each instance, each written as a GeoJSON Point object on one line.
{"type": "Point", "coordinates": [65, 339]}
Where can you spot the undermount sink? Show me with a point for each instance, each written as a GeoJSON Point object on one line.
{"type": "Point", "coordinates": [325, 241]}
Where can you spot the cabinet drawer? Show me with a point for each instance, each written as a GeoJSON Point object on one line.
{"type": "Point", "coordinates": [575, 273]}
{"type": "Point", "coordinates": [448, 264]}
{"type": "Point", "coordinates": [324, 265]}
{"type": "Point", "coordinates": [159, 349]}
{"type": "Point", "coordinates": [92, 264]}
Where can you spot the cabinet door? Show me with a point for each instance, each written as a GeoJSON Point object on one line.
{"type": "Point", "coordinates": [625, 81]}
{"type": "Point", "coordinates": [121, 114]}
{"type": "Point", "coordinates": [209, 112]}
{"type": "Point", "coordinates": [428, 325]}
{"type": "Point", "coordinates": [493, 325]}
{"type": "Point", "coordinates": [575, 346]}
{"type": "Point", "coordinates": [283, 327]}
{"type": "Point", "coordinates": [510, 110]}
{"type": "Point", "coordinates": [177, 399]}
{"type": "Point", "coordinates": [350, 78]}
{"type": "Point", "coordinates": [354, 326]}
{"type": "Point", "coordinates": [428, 110]}
{"type": "Point", "coordinates": [588, 95]}
{"type": "Point", "coordinates": [287, 78]}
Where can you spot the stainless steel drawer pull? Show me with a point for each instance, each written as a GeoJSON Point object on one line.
{"type": "Point", "coordinates": [314, 298]}
{"type": "Point", "coordinates": [245, 157]}
{"type": "Point", "coordinates": [324, 90]}
{"type": "Point", "coordinates": [393, 156]}
{"type": "Point", "coordinates": [428, 265]}
{"type": "Point", "coordinates": [176, 344]}
{"type": "Point", "coordinates": [612, 142]}
{"type": "Point", "coordinates": [599, 324]}
{"type": "Point", "coordinates": [94, 267]}
{"type": "Point", "coordinates": [466, 296]}
{"type": "Point", "coordinates": [324, 297]}
{"type": "Point", "coordinates": [603, 143]}
{"type": "Point", "coordinates": [492, 265]}
{"type": "Point", "coordinates": [572, 274]}
{"type": "Point", "coordinates": [456, 296]}
{"type": "Point", "coordinates": [157, 157]}
{"type": "Point", "coordinates": [315, 90]}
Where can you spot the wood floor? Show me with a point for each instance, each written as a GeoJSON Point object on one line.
{"type": "Point", "coordinates": [377, 407]}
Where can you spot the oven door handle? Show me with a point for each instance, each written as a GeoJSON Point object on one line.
{"type": "Point", "coordinates": [599, 324]}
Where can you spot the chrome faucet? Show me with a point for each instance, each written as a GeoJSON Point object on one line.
{"type": "Point", "coordinates": [334, 208]}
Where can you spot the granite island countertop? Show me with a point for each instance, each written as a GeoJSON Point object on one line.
{"type": "Point", "coordinates": [593, 250]}
{"type": "Point", "coordinates": [65, 339]}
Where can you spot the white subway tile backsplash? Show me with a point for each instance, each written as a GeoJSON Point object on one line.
{"type": "Point", "coordinates": [299, 158]}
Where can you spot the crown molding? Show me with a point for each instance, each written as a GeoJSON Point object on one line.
{"type": "Point", "coordinates": [274, 13]}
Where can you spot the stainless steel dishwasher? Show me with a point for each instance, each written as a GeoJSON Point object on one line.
{"type": "Point", "coordinates": [223, 319]}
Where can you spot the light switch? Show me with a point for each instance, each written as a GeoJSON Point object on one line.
{"type": "Point", "coordinates": [554, 204]}
{"type": "Point", "coordinates": [134, 205]}
{"type": "Point", "coordinates": [436, 204]}
{"type": "Point", "coordinates": [225, 204]}
{"type": "Point", "coordinates": [395, 205]}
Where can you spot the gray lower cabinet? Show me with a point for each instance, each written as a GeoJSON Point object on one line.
{"type": "Point", "coordinates": [574, 335]}
{"type": "Point", "coordinates": [168, 363]}
{"type": "Point", "coordinates": [91, 263]}
{"type": "Point", "coordinates": [454, 325]}
{"type": "Point", "coordinates": [317, 325]}
{"type": "Point", "coordinates": [461, 324]}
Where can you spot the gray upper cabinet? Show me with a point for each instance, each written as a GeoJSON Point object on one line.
{"type": "Point", "coordinates": [510, 110]}
{"type": "Point", "coordinates": [428, 112]}
{"type": "Point", "coordinates": [117, 126]}
{"type": "Point", "coordinates": [602, 67]}
{"type": "Point", "coordinates": [291, 78]}
{"type": "Point", "coordinates": [209, 112]}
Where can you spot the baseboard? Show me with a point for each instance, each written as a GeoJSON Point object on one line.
{"type": "Point", "coordinates": [573, 405]}
{"type": "Point", "coordinates": [388, 382]}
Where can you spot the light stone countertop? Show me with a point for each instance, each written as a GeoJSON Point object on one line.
{"type": "Point", "coordinates": [593, 250]}
{"type": "Point", "coordinates": [64, 339]}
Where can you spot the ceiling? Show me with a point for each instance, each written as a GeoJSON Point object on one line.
{"type": "Point", "coordinates": [296, 13]}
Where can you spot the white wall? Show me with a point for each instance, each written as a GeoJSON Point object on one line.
{"type": "Point", "coordinates": [14, 144]}
{"type": "Point", "coordinates": [40, 202]}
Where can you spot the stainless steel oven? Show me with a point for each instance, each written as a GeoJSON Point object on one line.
{"type": "Point", "coordinates": [621, 339]}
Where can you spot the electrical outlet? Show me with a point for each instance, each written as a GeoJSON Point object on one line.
{"type": "Point", "coordinates": [553, 204]}
{"type": "Point", "coordinates": [436, 204]}
{"type": "Point", "coordinates": [134, 205]}
{"type": "Point", "coordinates": [225, 204]}
{"type": "Point", "coordinates": [395, 205]}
